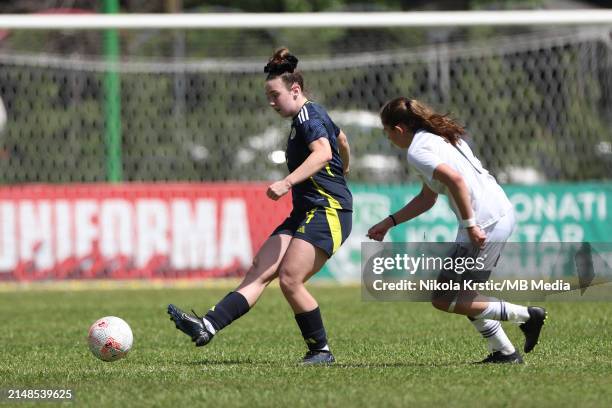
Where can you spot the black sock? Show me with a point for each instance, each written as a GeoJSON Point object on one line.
{"type": "Point", "coordinates": [230, 308]}
{"type": "Point", "coordinates": [311, 326]}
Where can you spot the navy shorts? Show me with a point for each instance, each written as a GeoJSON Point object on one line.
{"type": "Point", "coordinates": [324, 227]}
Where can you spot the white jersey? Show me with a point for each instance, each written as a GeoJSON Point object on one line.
{"type": "Point", "coordinates": [427, 151]}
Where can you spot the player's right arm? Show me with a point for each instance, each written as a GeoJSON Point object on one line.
{"type": "Point", "coordinates": [320, 155]}
{"type": "Point", "coordinates": [345, 152]}
{"type": "Point", "coordinates": [417, 206]}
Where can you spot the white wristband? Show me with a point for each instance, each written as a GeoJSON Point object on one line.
{"type": "Point", "coordinates": [470, 222]}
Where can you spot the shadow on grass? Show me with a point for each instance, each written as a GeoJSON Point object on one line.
{"type": "Point", "coordinates": [340, 365]}
{"type": "Point", "coordinates": [401, 364]}
{"type": "Point", "coordinates": [222, 362]}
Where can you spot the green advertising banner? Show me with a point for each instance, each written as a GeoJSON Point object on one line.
{"type": "Point", "coordinates": [560, 212]}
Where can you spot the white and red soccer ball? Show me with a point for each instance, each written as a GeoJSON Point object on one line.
{"type": "Point", "coordinates": [110, 338]}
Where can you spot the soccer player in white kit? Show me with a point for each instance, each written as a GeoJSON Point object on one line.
{"type": "Point", "coordinates": [447, 166]}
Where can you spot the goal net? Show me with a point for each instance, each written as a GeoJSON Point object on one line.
{"type": "Point", "coordinates": [536, 101]}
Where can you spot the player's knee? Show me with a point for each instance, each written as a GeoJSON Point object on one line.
{"type": "Point", "coordinates": [263, 278]}
{"type": "Point", "coordinates": [261, 273]}
{"type": "Point", "coordinates": [440, 302]}
{"type": "Point", "coordinates": [287, 281]}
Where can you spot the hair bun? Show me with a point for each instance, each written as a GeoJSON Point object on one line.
{"type": "Point", "coordinates": [288, 63]}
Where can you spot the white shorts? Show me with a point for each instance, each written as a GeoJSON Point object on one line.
{"type": "Point", "coordinates": [497, 235]}
{"type": "Point", "coordinates": [498, 232]}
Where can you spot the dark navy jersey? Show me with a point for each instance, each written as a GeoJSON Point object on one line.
{"type": "Point", "coordinates": [327, 188]}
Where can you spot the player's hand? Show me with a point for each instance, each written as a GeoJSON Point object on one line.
{"type": "Point", "coordinates": [278, 189]}
{"type": "Point", "coordinates": [346, 170]}
{"type": "Point", "coordinates": [378, 231]}
{"type": "Point", "coordinates": [477, 236]}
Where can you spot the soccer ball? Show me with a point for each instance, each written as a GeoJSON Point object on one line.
{"type": "Point", "coordinates": [110, 338]}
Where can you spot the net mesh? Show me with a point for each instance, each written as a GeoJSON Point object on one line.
{"type": "Point", "coordinates": [536, 106]}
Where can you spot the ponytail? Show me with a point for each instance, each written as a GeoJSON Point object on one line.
{"type": "Point", "coordinates": [416, 115]}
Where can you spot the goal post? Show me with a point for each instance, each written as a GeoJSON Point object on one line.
{"type": "Point", "coordinates": [309, 20]}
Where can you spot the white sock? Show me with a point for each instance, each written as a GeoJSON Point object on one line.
{"type": "Point", "coordinates": [495, 335]}
{"type": "Point", "coordinates": [324, 348]}
{"type": "Point", "coordinates": [504, 311]}
{"type": "Point", "coordinates": [209, 326]}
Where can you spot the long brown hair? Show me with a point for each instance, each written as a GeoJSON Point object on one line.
{"type": "Point", "coordinates": [416, 115]}
{"type": "Point", "coordinates": [283, 64]}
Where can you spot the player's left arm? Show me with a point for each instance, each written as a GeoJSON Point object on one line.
{"type": "Point", "coordinates": [320, 155]}
{"type": "Point", "coordinates": [345, 152]}
{"type": "Point", "coordinates": [459, 191]}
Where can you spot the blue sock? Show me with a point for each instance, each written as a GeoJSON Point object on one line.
{"type": "Point", "coordinates": [230, 308]}
{"type": "Point", "coordinates": [311, 326]}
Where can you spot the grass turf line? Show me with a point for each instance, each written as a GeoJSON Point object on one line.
{"type": "Point", "coordinates": [389, 354]}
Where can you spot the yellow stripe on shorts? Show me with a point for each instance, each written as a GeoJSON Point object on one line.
{"type": "Point", "coordinates": [334, 226]}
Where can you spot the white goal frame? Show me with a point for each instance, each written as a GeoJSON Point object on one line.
{"type": "Point", "coordinates": [306, 20]}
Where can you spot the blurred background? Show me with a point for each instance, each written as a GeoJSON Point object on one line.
{"type": "Point", "coordinates": [125, 108]}
{"type": "Point", "coordinates": [536, 100]}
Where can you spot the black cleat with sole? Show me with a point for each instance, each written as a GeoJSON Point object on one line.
{"type": "Point", "coordinates": [193, 326]}
{"type": "Point", "coordinates": [313, 357]}
{"type": "Point", "coordinates": [498, 357]}
{"type": "Point", "coordinates": [532, 327]}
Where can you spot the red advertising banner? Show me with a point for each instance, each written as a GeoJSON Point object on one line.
{"type": "Point", "coordinates": [134, 231]}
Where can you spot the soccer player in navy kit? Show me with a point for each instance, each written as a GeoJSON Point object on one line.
{"type": "Point", "coordinates": [318, 157]}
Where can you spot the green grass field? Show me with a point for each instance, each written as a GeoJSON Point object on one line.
{"type": "Point", "coordinates": [388, 354]}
